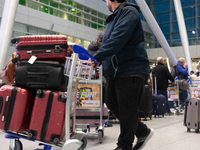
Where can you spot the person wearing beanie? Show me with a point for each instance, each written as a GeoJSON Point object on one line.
{"type": "Point", "coordinates": [126, 68]}
{"type": "Point", "coordinates": [95, 45]}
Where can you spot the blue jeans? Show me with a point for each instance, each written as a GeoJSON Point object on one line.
{"type": "Point", "coordinates": [164, 92]}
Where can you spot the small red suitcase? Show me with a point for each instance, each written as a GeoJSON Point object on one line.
{"type": "Point", "coordinates": [46, 47]}
{"type": "Point", "coordinates": [48, 116]}
{"type": "Point", "coordinates": [15, 108]}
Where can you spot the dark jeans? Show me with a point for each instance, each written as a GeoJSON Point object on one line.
{"type": "Point", "coordinates": [182, 97]}
{"type": "Point", "coordinates": [164, 92]}
{"type": "Point", "coordinates": [123, 98]}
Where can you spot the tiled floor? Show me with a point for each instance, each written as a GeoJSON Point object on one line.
{"type": "Point", "coordinates": [169, 134]}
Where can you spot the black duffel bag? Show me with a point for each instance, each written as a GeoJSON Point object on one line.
{"type": "Point", "coordinates": [41, 75]}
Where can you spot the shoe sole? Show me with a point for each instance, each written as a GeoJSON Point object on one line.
{"type": "Point", "coordinates": [147, 139]}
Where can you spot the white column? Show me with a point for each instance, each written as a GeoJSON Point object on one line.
{"type": "Point", "coordinates": [183, 32]}
{"type": "Point", "coordinates": [156, 30]}
{"type": "Point", "coordinates": [6, 29]}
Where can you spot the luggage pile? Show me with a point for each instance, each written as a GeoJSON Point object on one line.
{"type": "Point", "coordinates": [35, 104]}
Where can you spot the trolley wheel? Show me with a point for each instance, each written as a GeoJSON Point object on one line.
{"type": "Point", "coordinates": [196, 130]}
{"type": "Point", "coordinates": [100, 136]}
{"type": "Point", "coordinates": [84, 140]}
{"type": "Point", "coordinates": [177, 112]}
{"type": "Point", "coordinates": [188, 129]}
{"type": "Point", "coordinates": [18, 145]}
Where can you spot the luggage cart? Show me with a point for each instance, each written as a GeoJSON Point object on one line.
{"type": "Point", "coordinates": [91, 105]}
{"type": "Point", "coordinates": [173, 95]}
{"type": "Point", "coordinates": [73, 140]}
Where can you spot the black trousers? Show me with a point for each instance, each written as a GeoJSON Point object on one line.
{"type": "Point", "coordinates": [123, 98]}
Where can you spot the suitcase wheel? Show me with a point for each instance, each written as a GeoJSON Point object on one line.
{"type": "Point", "coordinates": [197, 131]}
{"type": "Point", "coordinates": [188, 129]}
{"type": "Point", "coordinates": [56, 141]}
{"type": "Point", "coordinates": [18, 145]}
{"type": "Point", "coordinates": [100, 136]}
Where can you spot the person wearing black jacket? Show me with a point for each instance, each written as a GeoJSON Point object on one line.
{"type": "Point", "coordinates": [126, 69]}
{"type": "Point", "coordinates": [162, 75]}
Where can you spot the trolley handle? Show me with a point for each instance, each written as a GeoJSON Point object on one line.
{"type": "Point", "coordinates": [83, 53]}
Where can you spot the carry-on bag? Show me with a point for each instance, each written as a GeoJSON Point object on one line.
{"type": "Point", "coordinates": [41, 75]}
{"type": "Point", "coordinates": [146, 105]}
{"type": "Point", "coordinates": [48, 47]}
{"type": "Point", "coordinates": [193, 114]}
{"type": "Point", "coordinates": [91, 117]}
{"type": "Point", "coordinates": [48, 116]}
{"type": "Point", "coordinates": [15, 108]}
{"type": "Point", "coordinates": [159, 103]}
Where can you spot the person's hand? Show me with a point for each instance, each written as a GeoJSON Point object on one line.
{"type": "Point", "coordinates": [185, 64]}
{"type": "Point", "coordinates": [92, 63]}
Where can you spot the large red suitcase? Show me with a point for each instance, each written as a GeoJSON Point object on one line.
{"type": "Point", "coordinates": [46, 47]}
{"type": "Point", "coordinates": [48, 116]}
{"type": "Point", "coordinates": [15, 108]}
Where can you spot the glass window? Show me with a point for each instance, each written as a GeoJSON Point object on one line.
{"type": "Point", "coordinates": [79, 13]}
{"type": "Point", "coordinates": [100, 21]}
{"type": "Point", "coordinates": [79, 41]}
{"type": "Point", "coordinates": [175, 36]}
{"type": "Point", "coordinates": [94, 25]}
{"type": "Point", "coordinates": [157, 1]}
{"type": "Point", "coordinates": [86, 44]}
{"type": "Point", "coordinates": [191, 34]}
{"type": "Point", "coordinates": [199, 10]}
{"type": "Point", "coordinates": [64, 1]}
{"type": "Point", "coordinates": [32, 30]}
{"type": "Point", "coordinates": [167, 36]}
{"type": "Point", "coordinates": [43, 8]}
{"type": "Point", "coordinates": [198, 33]}
{"type": "Point", "coordinates": [44, 1]}
{"type": "Point", "coordinates": [189, 12]}
{"type": "Point", "coordinates": [33, 5]}
{"type": "Point", "coordinates": [190, 24]}
{"type": "Point", "coordinates": [62, 7]}
{"type": "Point", "coordinates": [63, 15]}
{"type": "Point", "coordinates": [22, 2]}
{"type": "Point", "coordinates": [100, 28]}
{"type": "Point", "coordinates": [87, 10]}
{"type": "Point", "coordinates": [161, 7]}
{"type": "Point", "coordinates": [100, 15]}
{"type": "Point", "coordinates": [174, 16]}
{"type": "Point", "coordinates": [20, 27]}
{"type": "Point", "coordinates": [79, 6]}
{"type": "Point", "coordinates": [165, 28]}
{"type": "Point", "coordinates": [42, 31]}
{"type": "Point", "coordinates": [94, 19]}
{"type": "Point", "coordinates": [16, 34]}
{"type": "Point", "coordinates": [175, 27]}
{"type": "Point", "coordinates": [198, 1]}
{"type": "Point", "coordinates": [53, 4]}
{"type": "Point", "coordinates": [72, 3]}
{"type": "Point", "coordinates": [163, 18]}
{"type": "Point", "coordinates": [72, 10]}
{"type": "Point", "coordinates": [186, 3]}
{"type": "Point", "coordinates": [54, 12]}
{"type": "Point", "coordinates": [86, 16]}
{"type": "Point", "coordinates": [93, 12]}
{"type": "Point", "coordinates": [176, 43]}
{"type": "Point", "coordinates": [86, 23]}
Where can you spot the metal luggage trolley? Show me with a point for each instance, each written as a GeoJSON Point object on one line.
{"type": "Point", "coordinates": [73, 140]}
{"type": "Point", "coordinates": [194, 89]}
{"type": "Point", "coordinates": [92, 102]}
{"type": "Point", "coordinates": [173, 95]}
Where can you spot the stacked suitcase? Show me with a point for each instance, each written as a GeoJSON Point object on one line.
{"type": "Point", "coordinates": [36, 104]}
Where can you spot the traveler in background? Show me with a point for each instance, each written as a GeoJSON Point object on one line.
{"type": "Point", "coordinates": [193, 76]}
{"type": "Point", "coordinates": [126, 68]}
{"type": "Point", "coordinates": [70, 49]}
{"type": "Point", "coordinates": [162, 75]}
{"type": "Point", "coordinates": [95, 45]}
{"type": "Point", "coordinates": [182, 72]}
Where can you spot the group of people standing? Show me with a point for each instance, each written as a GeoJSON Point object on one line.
{"type": "Point", "coordinates": [163, 75]}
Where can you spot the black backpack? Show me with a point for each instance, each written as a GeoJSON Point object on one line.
{"type": "Point", "coordinates": [174, 71]}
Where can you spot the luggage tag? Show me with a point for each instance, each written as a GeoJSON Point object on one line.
{"type": "Point", "coordinates": [32, 59]}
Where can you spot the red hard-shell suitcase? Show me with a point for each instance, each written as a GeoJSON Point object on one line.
{"type": "Point", "coordinates": [45, 47]}
{"type": "Point", "coordinates": [15, 108]}
{"type": "Point", "coordinates": [90, 117]}
{"type": "Point", "coordinates": [48, 116]}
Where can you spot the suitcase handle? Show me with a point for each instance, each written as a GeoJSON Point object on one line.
{"type": "Point", "coordinates": [1, 103]}
{"type": "Point", "coordinates": [34, 85]}
{"type": "Point", "coordinates": [5, 107]}
{"type": "Point", "coordinates": [42, 51]}
{"type": "Point", "coordinates": [37, 75]}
